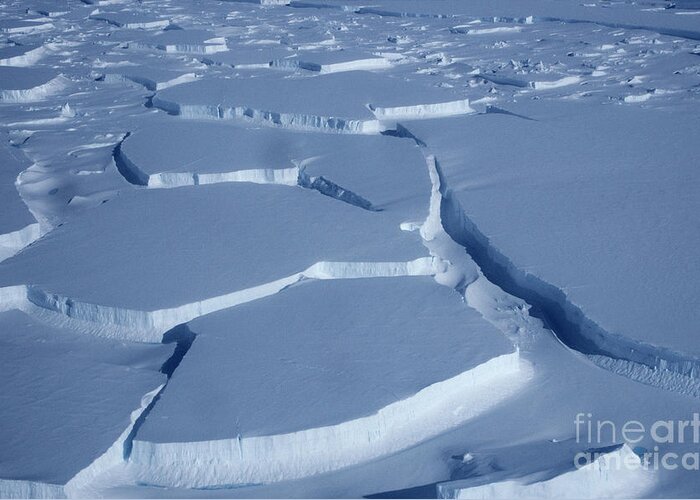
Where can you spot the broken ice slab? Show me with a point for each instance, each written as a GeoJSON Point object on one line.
{"type": "Point", "coordinates": [21, 55]}
{"type": "Point", "coordinates": [148, 262]}
{"type": "Point", "coordinates": [187, 41]}
{"type": "Point", "coordinates": [389, 172]}
{"type": "Point", "coordinates": [67, 404]}
{"type": "Point", "coordinates": [319, 61]}
{"type": "Point", "coordinates": [20, 85]}
{"type": "Point", "coordinates": [250, 56]}
{"type": "Point", "coordinates": [320, 376]}
{"type": "Point", "coordinates": [129, 19]}
{"type": "Point", "coordinates": [48, 8]}
{"type": "Point", "coordinates": [612, 472]}
{"type": "Point", "coordinates": [18, 227]}
{"type": "Point", "coordinates": [329, 103]}
{"type": "Point", "coordinates": [334, 61]}
{"type": "Point", "coordinates": [24, 27]}
{"type": "Point", "coordinates": [152, 78]}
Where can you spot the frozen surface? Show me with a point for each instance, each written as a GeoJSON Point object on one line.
{"type": "Point", "coordinates": [16, 216]}
{"type": "Point", "coordinates": [388, 172]}
{"type": "Point", "coordinates": [352, 358]}
{"type": "Point", "coordinates": [604, 476]}
{"type": "Point", "coordinates": [314, 104]}
{"type": "Point", "coordinates": [146, 273]}
{"type": "Point", "coordinates": [516, 179]}
{"type": "Point", "coordinates": [66, 398]}
{"type": "Point", "coordinates": [600, 203]}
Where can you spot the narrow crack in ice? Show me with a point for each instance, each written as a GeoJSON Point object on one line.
{"type": "Point", "coordinates": [487, 279]}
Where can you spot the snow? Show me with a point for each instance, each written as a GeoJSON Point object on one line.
{"type": "Point", "coordinates": [358, 373]}
{"type": "Point", "coordinates": [66, 398]}
{"type": "Point", "coordinates": [323, 248]}
{"type": "Point", "coordinates": [17, 228]}
{"type": "Point", "coordinates": [617, 189]}
{"type": "Point", "coordinates": [613, 474]}
{"type": "Point", "coordinates": [151, 277]}
{"type": "Point", "coordinates": [241, 99]}
{"type": "Point", "coordinates": [28, 84]}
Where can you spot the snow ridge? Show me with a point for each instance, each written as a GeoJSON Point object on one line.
{"type": "Point", "coordinates": [149, 326]}
{"type": "Point", "coordinates": [291, 176]}
{"type": "Point", "coordinates": [11, 243]}
{"type": "Point", "coordinates": [295, 121]}
{"type": "Point", "coordinates": [261, 459]}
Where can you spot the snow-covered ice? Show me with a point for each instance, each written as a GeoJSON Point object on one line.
{"type": "Point", "coordinates": [150, 285]}
{"type": "Point", "coordinates": [337, 248]}
{"type": "Point", "coordinates": [21, 84]}
{"type": "Point", "coordinates": [314, 106]}
{"type": "Point", "coordinates": [630, 192]}
{"type": "Point", "coordinates": [18, 227]}
{"type": "Point", "coordinates": [601, 476]}
{"type": "Point", "coordinates": [364, 381]}
{"type": "Point", "coordinates": [67, 398]}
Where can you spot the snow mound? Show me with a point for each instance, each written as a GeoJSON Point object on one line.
{"type": "Point", "coordinates": [615, 474]}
